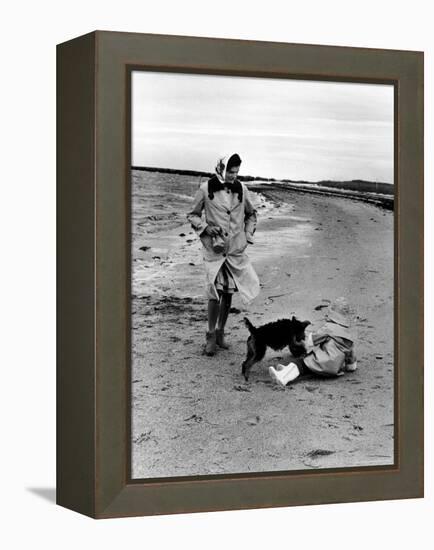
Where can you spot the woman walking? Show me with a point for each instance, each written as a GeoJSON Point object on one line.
{"type": "Point", "coordinates": [227, 228]}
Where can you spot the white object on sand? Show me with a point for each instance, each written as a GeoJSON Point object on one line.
{"type": "Point", "coordinates": [351, 367]}
{"type": "Point", "coordinates": [283, 374]}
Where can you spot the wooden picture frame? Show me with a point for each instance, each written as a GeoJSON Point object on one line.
{"type": "Point", "coordinates": [93, 376]}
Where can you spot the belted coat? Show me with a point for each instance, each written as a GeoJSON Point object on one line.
{"type": "Point", "coordinates": [234, 213]}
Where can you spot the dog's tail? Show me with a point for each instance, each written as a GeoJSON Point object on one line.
{"type": "Point", "coordinates": [249, 325]}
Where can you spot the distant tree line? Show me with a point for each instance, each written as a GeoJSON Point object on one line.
{"type": "Point", "coordinates": [195, 173]}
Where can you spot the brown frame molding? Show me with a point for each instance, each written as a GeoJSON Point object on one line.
{"type": "Point", "coordinates": [94, 262]}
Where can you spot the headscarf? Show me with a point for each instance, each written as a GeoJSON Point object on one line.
{"type": "Point", "coordinates": [220, 168]}
{"type": "Point", "coordinates": [218, 181]}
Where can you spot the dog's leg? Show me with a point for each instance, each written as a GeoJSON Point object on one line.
{"type": "Point", "coordinates": [250, 349]}
{"type": "Point", "coordinates": [255, 352]}
{"type": "Point", "coordinates": [250, 358]}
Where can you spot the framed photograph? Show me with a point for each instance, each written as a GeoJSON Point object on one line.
{"type": "Point", "coordinates": [240, 274]}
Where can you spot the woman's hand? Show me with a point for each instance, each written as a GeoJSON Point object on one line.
{"type": "Point", "coordinates": [213, 231]}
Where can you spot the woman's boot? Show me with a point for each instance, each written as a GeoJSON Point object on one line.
{"type": "Point", "coordinates": [210, 346]}
{"type": "Point", "coordinates": [220, 339]}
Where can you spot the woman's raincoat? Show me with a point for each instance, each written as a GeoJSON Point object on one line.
{"type": "Point", "coordinates": [231, 209]}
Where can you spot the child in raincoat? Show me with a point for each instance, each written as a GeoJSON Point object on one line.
{"type": "Point", "coordinates": [226, 229]}
{"type": "Point", "coordinates": [329, 352]}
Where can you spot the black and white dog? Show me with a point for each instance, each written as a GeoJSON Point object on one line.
{"type": "Point", "coordinates": [276, 335]}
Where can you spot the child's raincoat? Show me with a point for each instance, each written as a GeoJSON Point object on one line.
{"type": "Point", "coordinates": [331, 348]}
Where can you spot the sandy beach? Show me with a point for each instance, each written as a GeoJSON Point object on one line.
{"type": "Point", "coordinates": [195, 415]}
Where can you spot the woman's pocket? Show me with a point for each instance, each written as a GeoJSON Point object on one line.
{"type": "Point", "coordinates": [206, 241]}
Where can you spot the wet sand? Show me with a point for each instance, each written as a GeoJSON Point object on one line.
{"type": "Point", "coordinates": [195, 415]}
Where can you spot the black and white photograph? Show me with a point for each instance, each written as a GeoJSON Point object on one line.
{"type": "Point", "coordinates": [262, 275]}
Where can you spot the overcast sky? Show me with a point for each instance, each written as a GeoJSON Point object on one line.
{"type": "Point", "coordinates": [281, 128]}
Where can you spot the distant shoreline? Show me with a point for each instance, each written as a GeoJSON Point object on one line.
{"type": "Point", "coordinates": [377, 199]}
{"type": "Point", "coordinates": [378, 193]}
